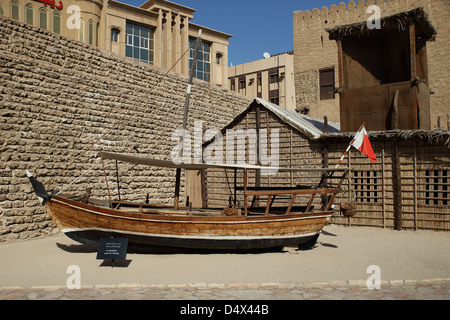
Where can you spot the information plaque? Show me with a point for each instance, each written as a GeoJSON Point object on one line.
{"type": "Point", "coordinates": [112, 248]}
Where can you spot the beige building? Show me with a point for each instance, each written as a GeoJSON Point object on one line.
{"type": "Point", "coordinates": [158, 32]}
{"type": "Point", "coordinates": [316, 56]}
{"type": "Point", "coordinates": [271, 79]}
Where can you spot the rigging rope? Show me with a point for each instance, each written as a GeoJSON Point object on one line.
{"type": "Point", "coordinates": [117, 123]}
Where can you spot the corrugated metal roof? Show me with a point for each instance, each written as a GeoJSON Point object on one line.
{"type": "Point", "coordinates": [310, 127]}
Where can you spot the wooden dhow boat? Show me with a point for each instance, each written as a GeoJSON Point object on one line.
{"type": "Point", "coordinates": [231, 228]}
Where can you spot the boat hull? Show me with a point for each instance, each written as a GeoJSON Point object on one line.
{"type": "Point", "coordinates": [92, 236]}
{"type": "Point", "coordinates": [87, 224]}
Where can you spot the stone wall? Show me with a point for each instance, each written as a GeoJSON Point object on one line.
{"type": "Point", "coordinates": [314, 51]}
{"type": "Point", "coordinates": [63, 101]}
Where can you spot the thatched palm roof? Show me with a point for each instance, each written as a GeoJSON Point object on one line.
{"type": "Point", "coordinates": [437, 136]}
{"type": "Point", "coordinates": [394, 23]}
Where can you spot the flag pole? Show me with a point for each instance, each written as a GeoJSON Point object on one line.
{"type": "Point", "coordinates": [350, 145]}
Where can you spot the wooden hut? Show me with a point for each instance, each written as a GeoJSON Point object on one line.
{"type": "Point", "coordinates": [383, 73]}
{"type": "Point", "coordinates": [407, 188]}
{"type": "Point", "coordinates": [296, 148]}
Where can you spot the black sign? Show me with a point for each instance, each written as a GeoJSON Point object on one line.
{"type": "Point", "coordinates": [112, 248]}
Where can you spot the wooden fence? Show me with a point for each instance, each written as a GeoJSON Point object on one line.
{"type": "Point", "coordinates": [421, 200]}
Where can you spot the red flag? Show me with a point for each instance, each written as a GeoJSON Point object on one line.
{"type": "Point", "coordinates": [362, 143]}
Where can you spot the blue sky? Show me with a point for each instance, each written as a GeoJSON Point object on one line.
{"type": "Point", "coordinates": [257, 26]}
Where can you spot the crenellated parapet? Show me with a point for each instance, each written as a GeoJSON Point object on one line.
{"type": "Point", "coordinates": [355, 11]}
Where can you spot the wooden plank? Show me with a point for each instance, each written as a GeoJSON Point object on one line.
{"type": "Point", "coordinates": [269, 203]}
{"type": "Point", "coordinates": [289, 192]}
{"type": "Point", "coordinates": [310, 203]}
{"type": "Point", "coordinates": [291, 203]}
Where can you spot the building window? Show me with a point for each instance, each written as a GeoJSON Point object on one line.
{"type": "Point", "coordinates": [91, 32]}
{"type": "Point", "coordinates": [56, 22]}
{"type": "Point", "coordinates": [273, 78]}
{"type": "Point", "coordinates": [242, 84]}
{"type": "Point", "coordinates": [232, 84]}
{"type": "Point", "coordinates": [29, 13]}
{"type": "Point", "coordinates": [43, 18]}
{"type": "Point", "coordinates": [274, 96]}
{"type": "Point", "coordinates": [365, 184]}
{"type": "Point", "coordinates": [326, 83]}
{"type": "Point", "coordinates": [275, 100]}
{"type": "Point", "coordinates": [15, 10]}
{"type": "Point", "coordinates": [139, 43]}
{"type": "Point", "coordinates": [203, 67]}
{"type": "Point", "coordinates": [81, 31]}
{"type": "Point", "coordinates": [219, 58]}
{"type": "Point", "coordinates": [97, 30]}
{"type": "Point", "coordinates": [115, 35]}
{"type": "Point", "coordinates": [437, 187]}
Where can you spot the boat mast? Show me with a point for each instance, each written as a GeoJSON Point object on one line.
{"type": "Point", "coordinates": [185, 117]}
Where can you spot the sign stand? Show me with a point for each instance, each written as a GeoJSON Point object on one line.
{"type": "Point", "coordinates": [112, 248]}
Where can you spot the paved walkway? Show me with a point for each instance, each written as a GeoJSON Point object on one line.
{"type": "Point", "coordinates": [436, 289]}
{"type": "Point", "coordinates": [39, 269]}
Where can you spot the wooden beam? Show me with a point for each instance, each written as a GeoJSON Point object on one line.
{"type": "Point", "coordinates": [107, 184]}
{"type": "Point", "coordinates": [395, 111]}
{"type": "Point", "coordinates": [289, 191]}
{"type": "Point", "coordinates": [340, 64]}
{"type": "Point", "coordinates": [245, 192]}
{"type": "Point", "coordinates": [412, 50]}
{"type": "Point", "coordinates": [397, 187]}
{"type": "Point", "coordinates": [269, 202]}
{"type": "Point", "coordinates": [258, 160]}
{"type": "Point", "coordinates": [176, 204]}
{"type": "Point", "coordinates": [310, 202]}
{"type": "Point", "coordinates": [291, 204]}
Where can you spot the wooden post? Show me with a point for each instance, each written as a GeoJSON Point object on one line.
{"type": "Point", "coordinates": [415, 185]}
{"type": "Point", "coordinates": [258, 160]}
{"type": "Point", "coordinates": [412, 50]}
{"type": "Point", "coordinates": [185, 118]}
{"type": "Point", "coordinates": [341, 63]}
{"type": "Point", "coordinates": [308, 207]}
{"type": "Point", "coordinates": [235, 186]}
{"type": "Point", "coordinates": [269, 200]}
{"type": "Point", "coordinates": [245, 192]}
{"type": "Point", "coordinates": [395, 111]}
{"type": "Point", "coordinates": [324, 162]}
{"type": "Point", "coordinates": [117, 178]}
{"type": "Point", "coordinates": [107, 185]}
{"type": "Point", "coordinates": [413, 60]}
{"type": "Point", "coordinates": [397, 186]}
{"type": "Point", "coordinates": [383, 174]}
{"type": "Point", "coordinates": [291, 204]}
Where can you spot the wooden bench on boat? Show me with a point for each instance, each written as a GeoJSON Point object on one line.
{"type": "Point", "coordinates": [293, 192]}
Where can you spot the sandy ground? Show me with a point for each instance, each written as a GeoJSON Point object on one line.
{"type": "Point", "coordinates": [341, 254]}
